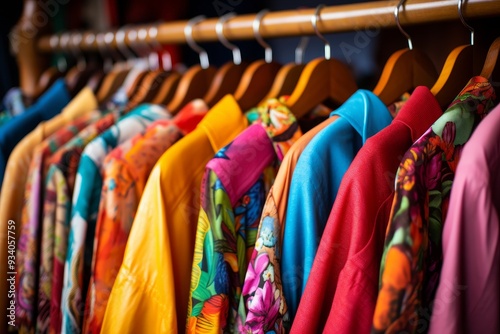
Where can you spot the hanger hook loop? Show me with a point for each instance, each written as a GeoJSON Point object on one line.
{"type": "Point", "coordinates": [219, 29]}
{"type": "Point", "coordinates": [122, 46]}
{"type": "Point", "coordinates": [461, 15]}
{"type": "Point", "coordinates": [188, 33]}
{"type": "Point", "coordinates": [396, 16]}
{"type": "Point", "coordinates": [314, 20]}
{"type": "Point", "coordinates": [256, 33]}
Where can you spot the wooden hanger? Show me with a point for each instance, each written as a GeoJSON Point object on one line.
{"type": "Point", "coordinates": [50, 75]}
{"type": "Point", "coordinates": [288, 76]}
{"type": "Point", "coordinates": [195, 82]}
{"type": "Point", "coordinates": [321, 80]}
{"type": "Point", "coordinates": [229, 75]}
{"type": "Point", "coordinates": [491, 59]}
{"type": "Point", "coordinates": [78, 76]}
{"type": "Point", "coordinates": [259, 76]}
{"type": "Point", "coordinates": [457, 70]}
{"type": "Point", "coordinates": [148, 89]}
{"type": "Point", "coordinates": [404, 71]}
{"type": "Point", "coordinates": [114, 77]}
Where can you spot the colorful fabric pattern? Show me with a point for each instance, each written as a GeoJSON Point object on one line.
{"type": "Point", "coordinates": [311, 195]}
{"type": "Point", "coordinates": [126, 170]}
{"type": "Point", "coordinates": [151, 290]}
{"type": "Point", "coordinates": [233, 193]}
{"type": "Point", "coordinates": [29, 240]}
{"type": "Point", "coordinates": [59, 185]}
{"type": "Point", "coordinates": [412, 257]}
{"type": "Point", "coordinates": [86, 197]}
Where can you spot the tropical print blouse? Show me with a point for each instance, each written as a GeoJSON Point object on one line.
{"type": "Point", "coordinates": [59, 184]}
{"type": "Point", "coordinates": [126, 170]}
{"type": "Point", "coordinates": [233, 190]}
{"type": "Point", "coordinates": [28, 246]}
{"type": "Point", "coordinates": [86, 197]}
{"type": "Point", "coordinates": [412, 257]}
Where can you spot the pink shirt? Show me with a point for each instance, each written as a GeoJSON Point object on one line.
{"type": "Point", "coordinates": [468, 295]}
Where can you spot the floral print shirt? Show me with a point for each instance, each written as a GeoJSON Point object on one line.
{"type": "Point", "coordinates": [86, 197]}
{"type": "Point", "coordinates": [28, 247]}
{"type": "Point", "coordinates": [126, 170]}
{"type": "Point", "coordinates": [233, 190]}
{"type": "Point", "coordinates": [412, 257]}
{"type": "Point", "coordinates": [59, 185]}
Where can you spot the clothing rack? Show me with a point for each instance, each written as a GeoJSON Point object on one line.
{"type": "Point", "coordinates": [363, 16]}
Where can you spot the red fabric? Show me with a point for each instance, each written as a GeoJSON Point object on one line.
{"type": "Point", "coordinates": [342, 289]}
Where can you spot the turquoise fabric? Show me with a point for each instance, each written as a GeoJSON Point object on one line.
{"type": "Point", "coordinates": [315, 182]}
{"type": "Point", "coordinates": [47, 106]}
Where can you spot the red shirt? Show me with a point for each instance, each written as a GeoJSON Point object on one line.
{"type": "Point", "coordinates": [342, 289]}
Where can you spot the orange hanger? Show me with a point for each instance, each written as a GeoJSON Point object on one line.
{"type": "Point", "coordinates": [169, 85]}
{"type": "Point", "coordinates": [116, 74]}
{"type": "Point", "coordinates": [259, 75]}
{"type": "Point", "coordinates": [457, 69]}
{"type": "Point", "coordinates": [79, 75]}
{"type": "Point", "coordinates": [288, 76]}
{"type": "Point", "coordinates": [195, 82]}
{"type": "Point", "coordinates": [152, 82]}
{"type": "Point", "coordinates": [321, 80]}
{"type": "Point", "coordinates": [404, 71]}
{"type": "Point", "coordinates": [229, 75]}
{"type": "Point", "coordinates": [146, 76]}
{"type": "Point", "coordinates": [491, 59]}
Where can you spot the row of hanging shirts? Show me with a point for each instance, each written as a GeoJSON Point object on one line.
{"type": "Point", "coordinates": [152, 203]}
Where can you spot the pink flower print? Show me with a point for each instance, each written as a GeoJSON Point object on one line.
{"type": "Point", "coordinates": [263, 309]}
{"type": "Point", "coordinates": [255, 269]}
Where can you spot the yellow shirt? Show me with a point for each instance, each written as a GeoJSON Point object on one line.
{"type": "Point", "coordinates": [16, 172]}
{"type": "Point", "coordinates": [151, 291]}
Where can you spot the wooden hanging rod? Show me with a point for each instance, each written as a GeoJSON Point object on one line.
{"type": "Point", "coordinates": [369, 15]}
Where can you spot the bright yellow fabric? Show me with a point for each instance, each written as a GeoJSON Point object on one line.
{"type": "Point", "coordinates": [151, 291]}
{"type": "Point", "coordinates": [16, 172]}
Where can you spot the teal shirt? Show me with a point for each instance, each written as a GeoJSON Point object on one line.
{"type": "Point", "coordinates": [315, 182]}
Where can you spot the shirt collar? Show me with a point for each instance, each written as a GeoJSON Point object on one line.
{"type": "Point", "coordinates": [420, 111]}
{"type": "Point", "coordinates": [240, 164]}
{"type": "Point", "coordinates": [356, 111]}
{"type": "Point", "coordinates": [188, 117]}
{"type": "Point", "coordinates": [218, 131]}
{"type": "Point", "coordinates": [280, 125]}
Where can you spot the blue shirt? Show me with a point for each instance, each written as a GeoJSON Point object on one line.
{"type": "Point", "coordinates": [47, 106]}
{"type": "Point", "coordinates": [315, 182]}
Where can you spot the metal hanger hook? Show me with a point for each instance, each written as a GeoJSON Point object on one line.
{"type": "Point", "coordinates": [299, 50]}
{"type": "Point", "coordinates": [219, 29]}
{"type": "Point", "coordinates": [108, 62]}
{"type": "Point", "coordinates": [314, 20]}
{"type": "Point", "coordinates": [461, 15]}
{"type": "Point", "coordinates": [76, 39]}
{"type": "Point", "coordinates": [62, 64]}
{"type": "Point", "coordinates": [396, 16]}
{"type": "Point", "coordinates": [122, 46]}
{"type": "Point", "coordinates": [166, 57]}
{"type": "Point", "coordinates": [256, 33]}
{"type": "Point", "coordinates": [188, 33]}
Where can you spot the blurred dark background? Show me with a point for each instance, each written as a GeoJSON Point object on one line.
{"type": "Point", "coordinates": [437, 40]}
